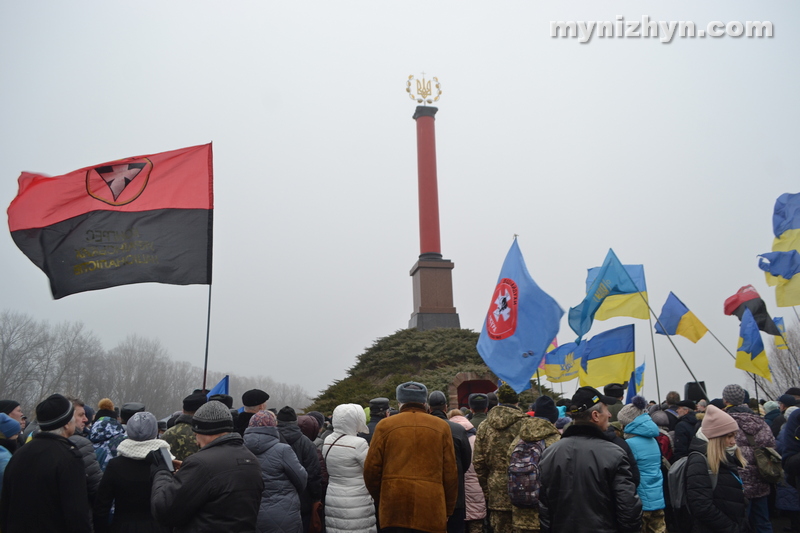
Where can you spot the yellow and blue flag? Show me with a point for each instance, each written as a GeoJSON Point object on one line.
{"type": "Point", "coordinates": [750, 354]}
{"type": "Point", "coordinates": [781, 265]}
{"type": "Point", "coordinates": [521, 323]}
{"type": "Point", "coordinates": [609, 357]}
{"type": "Point", "coordinates": [561, 364]}
{"type": "Point", "coordinates": [611, 279]}
{"type": "Point", "coordinates": [780, 340]}
{"type": "Point", "coordinates": [676, 319]}
{"type": "Point", "coordinates": [636, 383]}
{"type": "Point", "coordinates": [633, 305]}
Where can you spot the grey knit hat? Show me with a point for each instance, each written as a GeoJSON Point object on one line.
{"type": "Point", "coordinates": [628, 413]}
{"type": "Point", "coordinates": [412, 392]}
{"type": "Point", "coordinates": [142, 426]}
{"type": "Point", "coordinates": [733, 394]}
{"type": "Point", "coordinates": [212, 418]}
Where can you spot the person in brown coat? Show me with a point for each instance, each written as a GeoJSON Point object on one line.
{"type": "Point", "coordinates": [410, 468]}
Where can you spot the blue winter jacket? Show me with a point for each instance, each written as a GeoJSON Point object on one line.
{"type": "Point", "coordinates": [640, 435]}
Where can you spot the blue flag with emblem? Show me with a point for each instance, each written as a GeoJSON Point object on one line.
{"type": "Point", "coordinates": [521, 323]}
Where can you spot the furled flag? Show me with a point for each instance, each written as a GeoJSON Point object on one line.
{"type": "Point", "coordinates": [676, 319]}
{"type": "Point", "coordinates": [748, 298]}
{"type": "Point", "coordinates": [780, 340]}
{"type": "Point", "coordinates": [521, 323]}
{"type": "Point", "coordinates": [609, 357]}
{"type": "Point", "coordinates": [561, 364]}
{"type": "Point", "coordinates": [783, 263]}
{"type": "Point", "coordinates": [780, 269]}
{"type": "Point", "coordinates": [636, 383]}
{"type": "Point", "coordinates": [135, 220]}
{"type": "Point", "coordinates": [632, 305]}
{"type": "Point", "coordinates": [750, 355]}
{"type": "Point", "coordinates": [219, 388]}
{"type": "Point", "coordinates": [611, 279]}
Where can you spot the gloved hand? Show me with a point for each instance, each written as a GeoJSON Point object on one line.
{"type": "Point", "coordinates": [156, 462]}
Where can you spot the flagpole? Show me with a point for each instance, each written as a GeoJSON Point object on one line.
{"type": "Point", "coordinates": [752, 375]}
{"type": "Point", "coordinates": [655, 360]}
{"type": "Point", "coordinates": [539, 381]}
{"type": "Point", "coordinates": [208, 333]}
{"type": "Point", "coordinates": [669, 338]}
{"type": "Point", "coordinates": [795, 314]}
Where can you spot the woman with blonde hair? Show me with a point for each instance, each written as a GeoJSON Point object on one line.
{"type": "Point", "coordinates": [714, 488]}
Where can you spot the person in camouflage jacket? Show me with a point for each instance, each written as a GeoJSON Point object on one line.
{"type": "Point", "coordinates": [502, 425]}
{"type": "Point", "coordinates": [182, 440]}
{"type": "Point", "coordinates": [541, 428]}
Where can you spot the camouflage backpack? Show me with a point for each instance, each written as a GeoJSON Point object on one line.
{"type": "Point", "coordinates": [524, 481]}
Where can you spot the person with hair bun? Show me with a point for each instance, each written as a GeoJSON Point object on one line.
{"type": "Point", "coordinates": [714, 488]}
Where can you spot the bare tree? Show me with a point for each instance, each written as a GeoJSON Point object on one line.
{"type": "Point", "coordinates": [784, 366]}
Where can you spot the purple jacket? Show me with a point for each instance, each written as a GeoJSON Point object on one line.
{"type": "Point", "coordinates": [751, 424]}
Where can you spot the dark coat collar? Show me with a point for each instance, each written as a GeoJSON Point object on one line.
{"type": "Point", "coordinates": [584, 430]}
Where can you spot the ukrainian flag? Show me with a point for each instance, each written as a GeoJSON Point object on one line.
{"type": "Point", "coordinates": [784, 262]}
{"type": "Point", "coordinates": [608, 357]}
{"type": "Point", "coordinates": [633, 305]}
{"type": "Point", "coordinates": [780, 340]}
{"type": "Point", "coordinates": [561, 364]}
{"type": "Point", "coordinates": [750, 354]}
{"type": "Point", "coordinates": [676, 319]}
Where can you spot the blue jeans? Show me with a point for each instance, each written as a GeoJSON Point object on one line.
{"type": "Point", "coordinates": [758, 513]}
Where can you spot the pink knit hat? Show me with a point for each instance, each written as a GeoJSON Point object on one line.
{"type": "Point", "coordinates": [717, 423]}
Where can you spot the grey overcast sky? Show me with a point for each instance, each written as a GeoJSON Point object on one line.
{"type": "Point", "coordinates": [671, 154]}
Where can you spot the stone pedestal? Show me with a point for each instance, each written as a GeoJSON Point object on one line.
{"type": "Point", "coordinates": [433, 295]}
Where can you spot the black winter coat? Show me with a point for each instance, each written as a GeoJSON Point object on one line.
{"type": "Point", "coordinates": [306, 453]}
{"type": "Point", "coordinates": [611, 436]}
{"type": "Point", "coordinates": [463, 455]}
{"type": "Point", "coordinates": [44, 488]}
{"type": "Point", "coordinates": [723, 510]}
{"type": "Point", "coordinates": [585, 467]}
{"type": "Point", "coordinates": [685, 430]}
{"type": "Point", "coordinates": [216, 489]}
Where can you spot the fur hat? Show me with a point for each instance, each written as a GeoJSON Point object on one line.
{"type": "Point", "coordinates": [8, 426]}
{"type": "Point", "coordinates": [105, 407]}
{"type": "Point", "coordinates": [629, 412]}
{"type": "Point", "coordinates": [615, 390]}
{"type": "Point", "coordinates": [142, 426]}
{"type": "Point", "coordinates": [212, 418]}
{"type": "Point", "coordinates": [478, 401]}
{"type": "Point", "coordinates": [254, 397]}
{"type": "Point", "coordinates": [717, 422]}
{"type": "Point", "coordinates": [194, 401]}
{"type": "Point", "coordinates": [505, 394]}
{"type": "Point", "coordinates": [545, 407]}
{"type": "Point", "coordinates": [733, 394]}
{"type": "Point", "coordinates": [412, 392]}
{"type": "Point", "coordinates": [54, 412]}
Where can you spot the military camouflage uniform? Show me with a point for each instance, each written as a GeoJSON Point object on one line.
{"type": "Point", "coordinates": [182, 440]}
{"type": "Point", "coordinates": [502, 425]}
{"type": "Point", "coordinates": [527, 520]}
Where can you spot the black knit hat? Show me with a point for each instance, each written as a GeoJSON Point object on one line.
{"type": "Point", "coordinates": [545, 407]}
{"type": "Point", "coordinates": [194, 401]}
{"type": "Point", "coordinates": [6, 406]}
{"type": "Point", "coordinates": [212, 418]}
{"type": "Point", "coordinates": [287, 414]}
{"type": "Point", "coordinates": [54, 412]}
{"type": "Point", "coordinates": [254, 397]}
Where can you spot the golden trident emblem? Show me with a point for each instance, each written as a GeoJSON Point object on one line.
{"type": "Point", "coordinates": [424, 90]}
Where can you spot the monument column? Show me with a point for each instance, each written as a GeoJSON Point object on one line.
{"type": "Point", "coordinates": [431, 275]}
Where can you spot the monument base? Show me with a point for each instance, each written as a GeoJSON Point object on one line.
{"type": "Point", "coordinates": [433, 294]}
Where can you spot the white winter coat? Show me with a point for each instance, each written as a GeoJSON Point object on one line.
{"type": "Point", "coordinates": [348, 505]}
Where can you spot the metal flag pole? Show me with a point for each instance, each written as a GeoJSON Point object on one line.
{"type": "Point", "coordinates": [208, 334]}
{"type": "Point", "coordinates": [795, 314]}
{"type": "Point", "coordinates": [655, 360]}
{"type": "Point", "coordinates": [539, 381]}
{"type": "Point", "coordinates": [733, 357]}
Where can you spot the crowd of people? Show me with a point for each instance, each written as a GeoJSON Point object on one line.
{"type": "Point", "coordinates": [590, 463]}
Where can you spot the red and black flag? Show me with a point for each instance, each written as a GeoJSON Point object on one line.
{"type": "Point", "coordinates": [135, 220]}
{"type": "Point", "coordinates": [748, 298]}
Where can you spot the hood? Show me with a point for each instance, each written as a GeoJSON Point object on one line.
{"type": "Point", "coordinates": [750, 423]}
{"type": "Point", "coordinates": [699, 444]}
{"type": "Point", "coordinates": [260, 439]}
{"type": "Point", "coordinates": [349, 419]}
{"type": "Point", "coordinates": [502, 417]}
{"type": "Point", "coordinates": [463, 422]}
{"type": "Point", "coordinates": [308, 426]}
{"type": "Point", "coordinates": [291, 433]}
{"type": "Point", "coordinates": [642, 426]}
{"type": "Point", "coordinates": [105, 429]}
{"type": "Point", "coordinates": [537, 429]}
